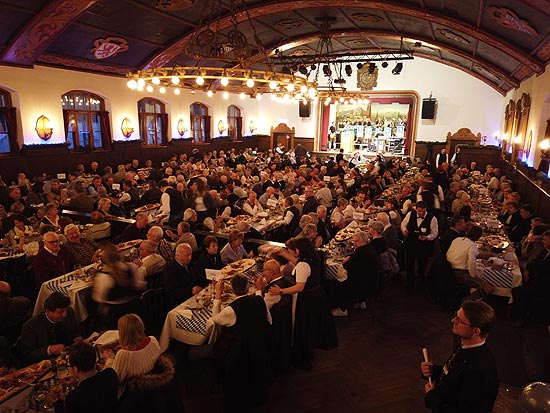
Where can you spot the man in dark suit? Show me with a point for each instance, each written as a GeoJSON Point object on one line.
{"type": "Point", "coordinates": [280, 333]}
{"type": "Point", "coordinates": [181, 280]}
{"type": "Point", "coordinates": [468, 381]}
{"type": "Point", "coordinates": [81, 201]}
{"type": "Point", "coordinates": [52, 260]}
{"type": "Point", "coordinates": [324, 229]}
{"type": "Point", "coordinates": [137, 230]}
{"type": "Point", "coordinates": [48, 333]}
{"type": "Point", "coordinates": [311, 203]}
{"type": "Point", "coordinates": [536, 285]}
{"type": "Point", "coordinates": [457, 225]}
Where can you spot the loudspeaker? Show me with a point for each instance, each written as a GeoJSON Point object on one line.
{"type": "Point", "coordinates": [305, 109]}
{"type": "Point", "coordinates": [429, 107]}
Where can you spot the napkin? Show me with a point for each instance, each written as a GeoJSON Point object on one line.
{"type": "Point", "coordinates": [263, 222]}
{"type": "Point", "coordinates": [184, 312]}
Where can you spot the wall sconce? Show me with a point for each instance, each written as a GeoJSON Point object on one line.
{"type": "Point", "coordinates": [126, 127]}
{"type": "Point", "coordinates": [181, 127]}
{"type": "Point", "coordinates": [545, 149]}
{"type": "Point", "coordinates": [221, 126]}
{"type": "Point", "coordinates": [43, 128]}
{"type": "Point", "coordinates": [252, 127]}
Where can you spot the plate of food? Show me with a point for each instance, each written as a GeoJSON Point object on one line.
{"type": "Point", "coordinates": [128, 244]}
{"type": "Point", "coordinates": [237, 267]}
{"type": "Point", "coordinates": [13, 383]}
{"type": "Point", "coordinates": [497, 241]}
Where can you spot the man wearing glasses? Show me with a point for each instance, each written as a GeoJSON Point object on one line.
{"type": "Point", "coordinates": [468, 381]}
{"type": "Point", "coordinates": [52, 260]}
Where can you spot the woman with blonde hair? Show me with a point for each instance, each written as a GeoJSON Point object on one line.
{"type": "Point", "coordinates": [138, 353]}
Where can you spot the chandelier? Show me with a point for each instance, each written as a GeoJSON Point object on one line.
{"type": "Point", "coordinates": [228, 51]}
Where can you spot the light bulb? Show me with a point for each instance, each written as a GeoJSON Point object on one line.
{"type": "Point", "coordinates": [141, 82]}
{"type": "Point", "coordinates": [273, 85]}
{"type": "Point", "coordinates": [224, 81]}
{"type": "Point", "coordinates": [225, 95]}
{"type": "Point", "coordinates": [162, 89]}
{"type": "Point", "coordinates": [156, 80]}
{"type": "Point", "coordinates": [209, 93]}
{"type": "Point", "coordinates": [242, 95]}
{"type": "Point", "coordinates": [175, 80]}
{"type": "Point", "coordinates": [200, 80]}
{"type": "Point", "coordinates": [259, 96]}
{"type": "Point", "coordinates": [132, 84]}
{"type": "Point", "coordinates": [177, 91]}
{"type": "Point", "coordinates": [290, 87]}
{"type": "Point", "coordinates": [149, 88]}
{"type": "Point", "coordinates": [250, 82]}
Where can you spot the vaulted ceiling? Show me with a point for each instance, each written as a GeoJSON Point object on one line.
{"type": "Point", "coordinates": [499, 42]}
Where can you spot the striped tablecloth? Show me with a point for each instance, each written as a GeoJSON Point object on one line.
{"type": "Point", "coordinates": [195, 324]}
{"type": "Point", "coordinates": [70, 285]}
{"type": "Point", "coordinates": [498, 278]}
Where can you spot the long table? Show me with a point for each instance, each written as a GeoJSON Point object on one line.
{"type": "Point", "coordinates": [191, 325]}
{"type": "Point", "coordinates": [74, 285]}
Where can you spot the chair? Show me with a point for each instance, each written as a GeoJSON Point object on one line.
{"type": "Point", "coordinates": [152, 310]}
{"type": "Point", "coordinates": [155, 280]}
{"type": "Point", "coordinates": [110, 311]}
{"type": "Point", "coordinates": [374, 295]}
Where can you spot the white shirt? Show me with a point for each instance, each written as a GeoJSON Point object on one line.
{"type": "Point", "coordinates": [252, 210]}
{"type": "Point", "coordinates": [164, 209]}
{"type": "Point", "coordinates": [462, 255]}
{"type": "Point", "coordinates": [324, 197]}
{"type": "Point", "coordinates": [434, 230]}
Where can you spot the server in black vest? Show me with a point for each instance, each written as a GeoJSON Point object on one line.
{"type": "Point", "coordinates": [241, 348]}
{"type": "Point", "coordinates": [171, 204]}
{"type": "Point", "coordinates": [468, 381]}
{"type": "Point", "coordinates": [441, 157]}
{"type": "Point", "coordinates": [419, 229]}
{"type": "Point", "coordinates": [279, 336]}
{"type": "Point", "coordinates": [291, 218]}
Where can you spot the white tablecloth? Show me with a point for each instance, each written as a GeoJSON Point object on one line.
{"type": "Point", "coordinates": [70, 285]}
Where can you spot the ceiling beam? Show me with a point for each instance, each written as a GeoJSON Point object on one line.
{"type": "Point", "coordinates": [40, 32]}
{"type": "Point", "coordinates": [284, 6]}
{"type": "Point", "coordinates": [301, 41]}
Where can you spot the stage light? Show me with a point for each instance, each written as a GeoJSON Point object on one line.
{"type": "Point", "coordinates": [348, 70]}
{"type": "Point", "coordinates": [384, 64]}
{"type": "Point", "coordinates": [397, 69]}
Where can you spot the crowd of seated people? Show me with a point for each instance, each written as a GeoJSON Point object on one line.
{"type": "Point", "coordinates": [199, 192]}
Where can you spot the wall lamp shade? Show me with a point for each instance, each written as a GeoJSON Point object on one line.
{"type": "Point", "coordinates": [43, 128]}
{"type": "Point", "coordinates": [181, 127]}
{"type": "Point", "coordinates": [252, 127]}
{"type": "Point", "coordinates": [126, 127]}
{"type": "Point", "coordinates": [397, 69]}
{"type": "Point", "coordinates": [221, 126]}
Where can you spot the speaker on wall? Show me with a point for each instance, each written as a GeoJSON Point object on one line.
{"type": "Point", "coordinates": [429, 107]}
{"type": "Point", "coordinates": [305, 109]}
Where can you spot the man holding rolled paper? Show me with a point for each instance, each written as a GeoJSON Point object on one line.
{"type": "Point", "coordinates": [468, 381]}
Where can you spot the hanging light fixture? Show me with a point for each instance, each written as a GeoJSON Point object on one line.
{"type": "Point", "coordinates": [229, 50]}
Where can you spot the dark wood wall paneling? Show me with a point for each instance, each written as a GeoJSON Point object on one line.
{"type": "Point", "coordinates": [54, 159]}
{"type": "Point", "coordinates": [482, 155]}
{"type": "Point", "coordinates": [530, 192]}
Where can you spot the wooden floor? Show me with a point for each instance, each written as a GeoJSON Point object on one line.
{"type": "Point", "coordinates": [376, 366]}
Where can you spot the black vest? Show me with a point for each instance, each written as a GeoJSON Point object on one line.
{"type": "Point", "coordinates": [290, 228]}
{"type": "Point", "coordinates": [251, 315]}
{"type": "Point", "coordinates": [176, 201]}
{"type": "Point", "coordinates": [416, 230]}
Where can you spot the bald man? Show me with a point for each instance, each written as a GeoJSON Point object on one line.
{"type": "Point", "coordinates": [181, 279]}
{"type": "Point", "coordinates": [149, 262]}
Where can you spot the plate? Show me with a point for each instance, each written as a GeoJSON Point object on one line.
{"type": "Point", "coordinates": [497, 241]}
{"type": "Point", "coordinates": [194, 305]}
{"type": "Point", "coordinates": [128, 244]}
{"type": "Point", "coordinates": [237, 266]}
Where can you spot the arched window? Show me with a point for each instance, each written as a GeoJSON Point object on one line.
{"type": "Point", "coordinates": [200, 123]}
{"type": "Point", "coordinates": [234, 123]}
{"type": "Point", "coordinates": [153, 121]}
{"type": "Point", "coordinates": [86, 121]}
{"type": "Point", "coordinates": [8, 125]}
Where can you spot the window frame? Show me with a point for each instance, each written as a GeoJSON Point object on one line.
{"type": "Point", "coordinates": [159, 139]}
{"type": "Point", "coordinates": [199, 123]}
{"type": "Point", "coordinates": [77, 113]}
{"type": "Point", "coordinates": [234, 123]}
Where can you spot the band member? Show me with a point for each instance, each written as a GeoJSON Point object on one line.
{"type": "Point", "coordinates": [332, 136]}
